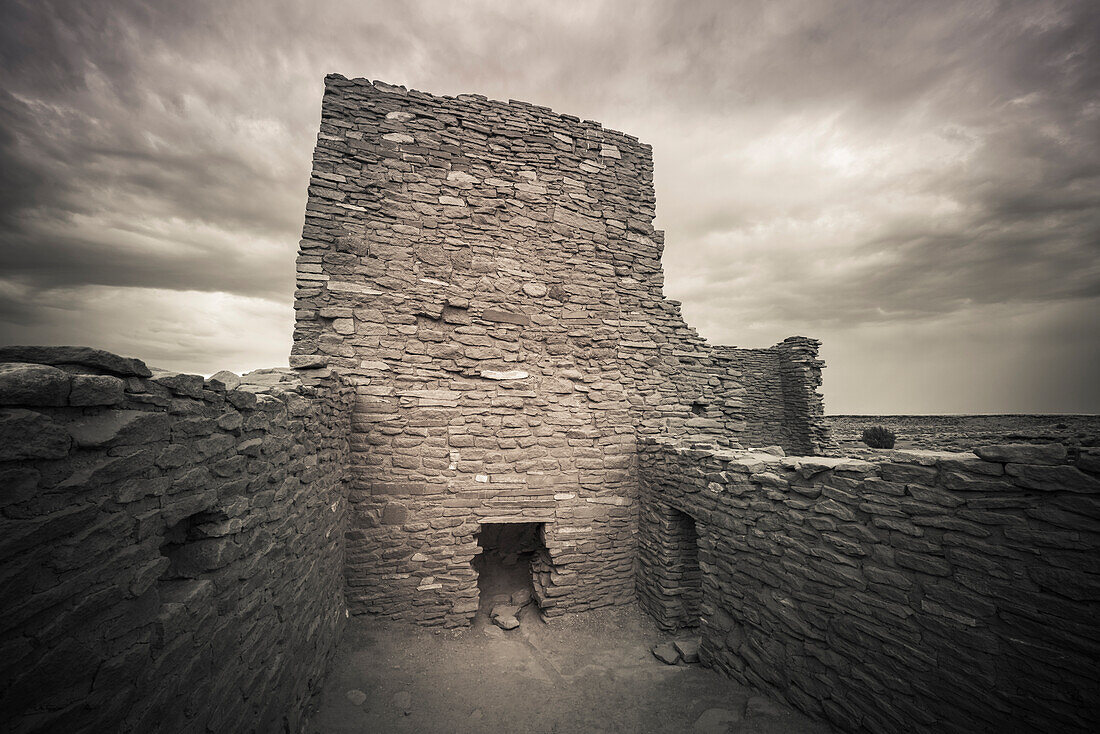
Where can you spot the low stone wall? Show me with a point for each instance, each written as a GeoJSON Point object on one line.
{"type": "Point", "coordinates": [917, 592]}
{"type": "Point", "coordinates": [172, 548]}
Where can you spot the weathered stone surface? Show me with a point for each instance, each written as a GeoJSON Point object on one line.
{"type": "Point", "coordinates": [1052, 478]}
{"type": "Point", "coordinates": [179, 383]}
{"type": "Point", "coordinates": [229, 380]}
{"type": "Point", "coordinates": [33, 385]}
{"type": "Point", "coordinates": [307, 361]}
{"type": "Point", "coordinates": [504, 375]}
{"type": "Point", "coordinates": [506, 621]}
{"type": "Point", "coordinates": [120, 426]}
{"type": "Point", "coordinates": [688, 649]}
{"type": "Point", "coordinates": [667, 653]}
{"type": "Point", "coordinates": [134, 536]}
{"type": "Point", "coordinates": [833, 585]}
{"type": "Point", "coordinates": [394, 514]}
{"type": "Point", "coordinates": [504, 610]}
{"type": "Point", "coordinates": [505, 317]}
{"type": "Point", "coordinates": [88, 390]}
{"type": "Point", "coordinates": [79, 356]}
{"type": "Point", "coordinates": [1024, 453]}
{"type": "Point", "coordinates": [1089, 461]}
{"type": "Point", "coordinates": [25, 434]}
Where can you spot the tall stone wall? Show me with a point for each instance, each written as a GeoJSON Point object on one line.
{"type": "Point", "coordinates": [488, 276]}
{"type": "Point", "coordinates": [172, 548]}
{"type": "Point", "coordinates": [773, 393]}
{"type": "Point", "coordinates": [922, 591]}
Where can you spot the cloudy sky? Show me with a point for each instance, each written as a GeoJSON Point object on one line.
{"type": "Point", "coordinates": [917, 183]}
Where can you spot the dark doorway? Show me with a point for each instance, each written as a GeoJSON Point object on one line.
{"type": "Point", "coordinates": [683, 572]}
{"type": "Point", "coordinates": [505, 571]}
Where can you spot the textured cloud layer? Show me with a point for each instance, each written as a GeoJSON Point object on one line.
{"type": "Point", "coordinates": [916, 183]}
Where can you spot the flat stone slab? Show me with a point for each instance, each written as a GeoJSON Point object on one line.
{"type": "Point", "coordinates": [667, 653]}
{"type": "Point", "coordinates": [33, 384]}
{"type": "Point", "coordinates": [1024, 453]}
{"type": "Point", "coordinates": [506, 621]}
{"type": "Point", "coordinates": [82, 356]}
{"type": "Point", "coordinates": [688, 649]}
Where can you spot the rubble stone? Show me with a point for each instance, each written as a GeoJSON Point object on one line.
{"type": "Point", "coordinates": [1023, 453]}
{"type": "Point", "coordinates": [33, 384]}
{"type": "Point", "coordinates": [666, 653]}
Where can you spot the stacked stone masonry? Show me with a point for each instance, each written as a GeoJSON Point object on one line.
{"type": "Point", "coordinates": [172, 547]}
{"type": "Point", "coordinates": [481, 338]}
{"type": "Point", "coordinates": [921, 591]}
{"type": "Point", "coordinates": [772, 394]}
{"type": "Point", "coordinates": [488, 277]}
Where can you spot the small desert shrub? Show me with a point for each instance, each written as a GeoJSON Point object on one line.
{"type": "Point", "coordinates": [879, 437]}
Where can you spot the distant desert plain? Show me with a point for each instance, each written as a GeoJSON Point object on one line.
{"type": "Point", "coordinates": [965, 432]}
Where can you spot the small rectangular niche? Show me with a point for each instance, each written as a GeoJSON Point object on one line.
{"type": "Point", "coordinates": [682, 572]}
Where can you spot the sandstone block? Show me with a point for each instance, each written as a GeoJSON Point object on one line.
{"type": "Point", "coordinates": [1089, 461]}
{"type": "Point", "coordinates": [394, 514]}
{"type": "Point", "coordinates": [1024, 453]}
{"type": "Point", "coordinates": [229, 380]}
{"type": "Point", "coordinates": [28, 435]}
{"type": "Point", "coordinates": [461, 177]}
{"type": "Point", "coordinates": [666, 653]}
{"type": "Point", "coordinates": [120, 427]}
{"type": "Point", "coordinates": [504, 375]}
{"type": "Point", "coordinates": [306, 361]}
{"type": "Point", "coordinates": [1052, 478]}
{"type": "Point", "coordinates": [88, 390]}
{"type": "Point", "coordinates": [505, 317]}
{"type": "Point", "coordinates": [179, 383]}
{"type": "Point", "coordinates": [77, 356]}
{"type": "Point", "coordinates": [688, 649]}
{"type": "Point", "coordinates": [33, 384]}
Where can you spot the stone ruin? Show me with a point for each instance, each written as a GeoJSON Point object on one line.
{"type": "Point", "coordinates": [489, 277]}
{"type": "Point", "coordinates": [484, 367]}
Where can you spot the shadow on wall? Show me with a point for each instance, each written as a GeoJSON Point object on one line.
{"type": "Point", "coordinates": [669, 552]}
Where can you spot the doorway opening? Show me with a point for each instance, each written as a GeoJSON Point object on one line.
{"type": "Point", "coordinates": [511, 552]}
{"type": "Point", "coordinates": [683, 572]}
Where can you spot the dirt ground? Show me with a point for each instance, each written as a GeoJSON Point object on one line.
{"type": "Point", "coordinates": [591, 672]}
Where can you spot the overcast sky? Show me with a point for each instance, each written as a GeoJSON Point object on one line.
{"type": "Point", "coordinates": [916, 183]}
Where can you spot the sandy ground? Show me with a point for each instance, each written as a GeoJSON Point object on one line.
{"type": "Point", "coordinates": [591, 672]}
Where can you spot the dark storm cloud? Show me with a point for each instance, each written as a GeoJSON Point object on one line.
{"type": "Point", "coordinates": [842, 168]}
